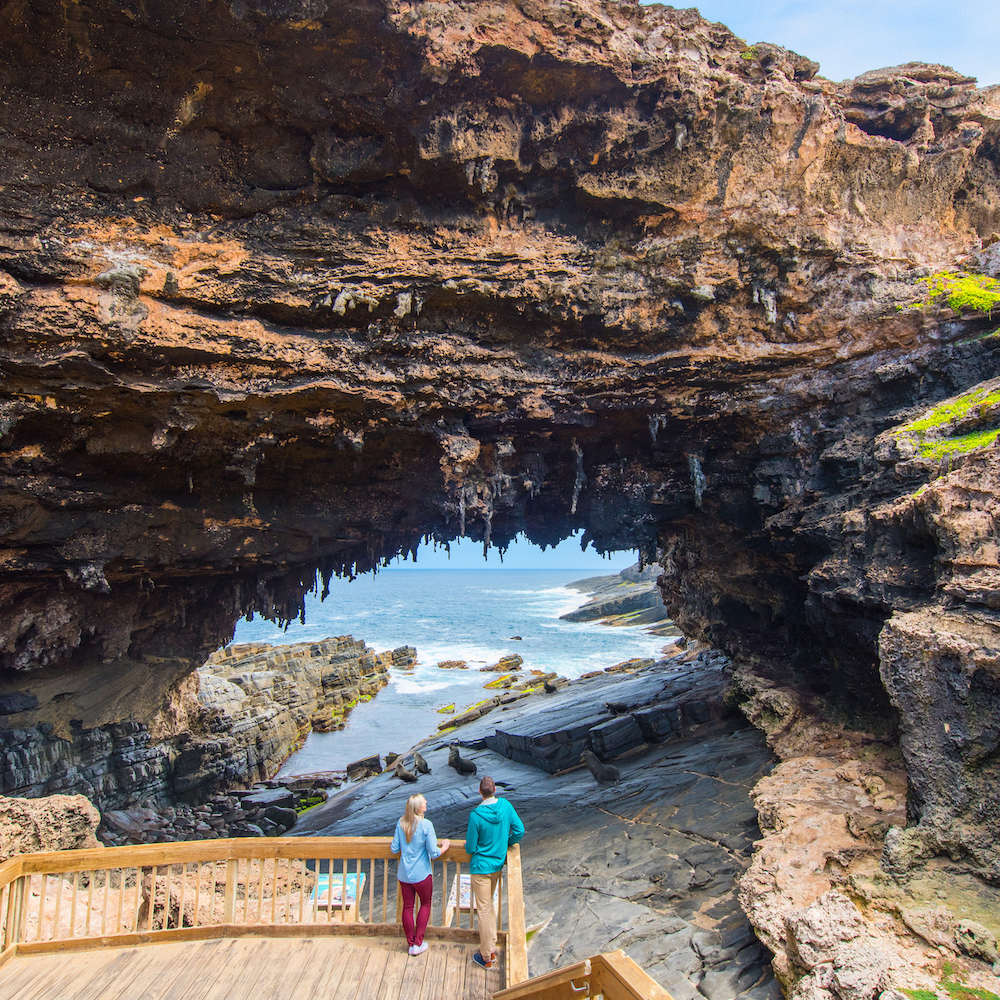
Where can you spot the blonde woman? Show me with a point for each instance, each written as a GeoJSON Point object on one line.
{"type": "Point", "coordinates": [417, 846]}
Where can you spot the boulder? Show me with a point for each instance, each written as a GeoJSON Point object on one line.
{"type": "Point", "coordinates": [53, 823]}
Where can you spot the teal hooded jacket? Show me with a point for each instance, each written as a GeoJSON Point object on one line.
{"type": "Point", "coordinates": [493, 827]}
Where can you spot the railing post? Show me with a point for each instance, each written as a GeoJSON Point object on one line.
{"type": "Point", "coordinates": [517, 945]}
{"type": "Point", "coordinates": [232, 875]}
{"type": "Point", "coordinates": [16, 912]}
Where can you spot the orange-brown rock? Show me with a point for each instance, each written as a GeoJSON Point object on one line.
{"type": "Point", "coordinates": [52, 823]}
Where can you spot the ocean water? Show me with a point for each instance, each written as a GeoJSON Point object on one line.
{"type": "Point", "coordinates": [448, 614]}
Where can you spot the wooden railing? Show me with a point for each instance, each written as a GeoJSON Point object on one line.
{"type": "Point", "coordinates": [613, 976]}
{"type": "Point", "coordinates": [218, 888]}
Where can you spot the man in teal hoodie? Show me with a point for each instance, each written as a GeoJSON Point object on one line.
{"type": "Point", "coordinates": [493, 827]}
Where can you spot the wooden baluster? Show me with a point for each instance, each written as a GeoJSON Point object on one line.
{"type": "Point", "coordinates": [302, 891]}
{"type": "Point", "coordinates": [385, 890]}
{"type": "Point", "coordinates": [138, 892]}
{"type": "Point", "coordinates": [329, 891]}
{"type": "Point", "coordinates": [23, 895]}
{"type": "Point", "coordinates": [107, 896]}
{"type": "Point", "coordinates": [72, 909]}
{"type": "Point", "coordinates": [444, 893]}
{"type": "Point", "coordinates": [121, 899]}
{"type": "Point", "coordinates": [154, 872]}
{"type": "Point", "coordinates": [232, 873]}
{"type": "Point", "coordinates": [183, 893]}
{"type": "Point", "coordinates": [195, 917]}
{"type": "Point", "coordinates": [499, 904]}
{"type": "Point", "coordinates": [260, 891]}
{"type": "Point", "coordinates": [371, 893]}
{"type": "Point", "coordinates": [211, 912]}
{"type": "Point", "coordinates": [343, 892]}
{"type": "Point", "coordinates": [58, 907]}
{"type": "Point", "coordinates": [41, 907]}
{"type": "Point", "coordinates": [314, 900]}
{"type": "Point", "coordinates": [90, 903]}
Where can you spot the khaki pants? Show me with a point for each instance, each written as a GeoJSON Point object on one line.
{"type": "Point", "coordinates": [483, 887]}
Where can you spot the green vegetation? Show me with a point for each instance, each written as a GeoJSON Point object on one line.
{"type": "Point", "coordinates": [951, 410]}
{"type": "Point", "coordinates": [962, 292]}
{"type": "Point", "coordinates": [446, 709]}
{"type": "Point", "coordinates": [308, 803]}
{"type": "Point", "coordinates": [749, 54]}
{"type": "Point", "coordinates": [923, 431]}
{"type": "Point", "coordinates": [951, 983]}
{"type": "Point", "coordinates": [948, 447]}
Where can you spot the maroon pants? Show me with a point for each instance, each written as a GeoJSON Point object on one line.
{"type": "Point", "coordinates": [415, 928]}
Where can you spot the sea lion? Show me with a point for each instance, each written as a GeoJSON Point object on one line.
{"type": "Point", "coordinates": [616, 707]}
{"type": "Point", "coordinates": [419, 764]}
{"type": "Point", "coordinates": [458, 762]}
{"type": "Point", "coordinates": [604, 774]}
{"type": "Point", "coordinates": [401, 771]}
{"type": "Point", "coordinates": [550, 687]}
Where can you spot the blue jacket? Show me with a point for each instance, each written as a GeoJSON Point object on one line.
{"type": "Point", "coordinates": [492, 829]}
{"type": "Point", "coordinates": [416, 856]}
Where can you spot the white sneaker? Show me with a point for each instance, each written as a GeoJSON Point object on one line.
{"type": "Point", "coordinates": [419, 949]}
{"type": "Point", "coordinates": [410, 950]}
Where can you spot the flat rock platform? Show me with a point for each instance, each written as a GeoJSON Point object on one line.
{"type": "Point", "coordinates": [648, 865]}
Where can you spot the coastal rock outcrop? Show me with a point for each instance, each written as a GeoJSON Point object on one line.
{"type": "Point", "coordinates": [232, 723]}
{"type": "Point", "coordinates": [293, 288]}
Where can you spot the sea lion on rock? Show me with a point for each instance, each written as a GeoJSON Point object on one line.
{"type": "Point", "coordinates": [419, 764]}
{"type": "Point", "coordinates": [604, 774]}
{"type": "Point", "coordinates": [616, 707]}
{"type": "Point", "coordinates": [458, 762]}
{"type": "Point", "coordinates": [550, 687]}
{"type": "Point", "coordinates": [401, 771]}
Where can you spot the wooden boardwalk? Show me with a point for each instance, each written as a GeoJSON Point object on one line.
{"type": "Point", "coordinates": [300, 968]}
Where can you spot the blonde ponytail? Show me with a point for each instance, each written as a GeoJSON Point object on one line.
{"type": "Point", "coordinates": [410, 817]}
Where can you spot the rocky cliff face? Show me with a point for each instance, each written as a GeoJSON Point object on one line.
{"type": "Point", "coordinates": [295, 286]}
{"type": "Point", "coordinates": [233, 722]}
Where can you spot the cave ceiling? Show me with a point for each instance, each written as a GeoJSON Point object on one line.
{"type": "Point", "coordinates": [289, 288]}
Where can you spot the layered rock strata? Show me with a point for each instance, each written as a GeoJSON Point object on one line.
{"type": "Point", "coordinates": [234, 722]}
{"type": "Point", "coordinates": [295, 287]}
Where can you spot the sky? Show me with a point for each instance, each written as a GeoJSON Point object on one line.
{"type": "Point", "coordinates": [848, 37]}
{"type": "Point", "coordinates": [466, 554]}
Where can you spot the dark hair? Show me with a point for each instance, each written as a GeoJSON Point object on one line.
{"type": "Point", "coordinates": [487, 787]}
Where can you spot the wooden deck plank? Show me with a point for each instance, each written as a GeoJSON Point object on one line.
{"type": "Point", "coordinates": [322, 977]}
{"type": "Point", "coordinates": [334, 967]}
{"type": "Point", "coordinates": [208, 956]}
{"type": "Point", "coordinates": [352, 975]}
{"type": "Point", "coordinates": [398, 961]}
{"type": "Point", "coordinates": [434, 962]}
{"type": "Point", "coordinates": [414, 977]}
{"type": "Point", "coordinates": [235, 979]}
{"type": "Point", "coordinates": [66, 976]}
{"type": "Point", "coordinates": [454, 973]}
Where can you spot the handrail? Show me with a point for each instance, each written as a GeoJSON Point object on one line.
{"type": "Point", "coordinates": [613, 976]}
{"type": "Point", "coordinates": [194, 889]}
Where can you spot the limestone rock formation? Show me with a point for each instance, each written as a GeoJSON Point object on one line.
{"type": "Point", "coordinates": [295, 287]}
{"type": "Point", "coordinates": [55, 823]}
{"type": "Point", "coordinates": [232, 723]}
